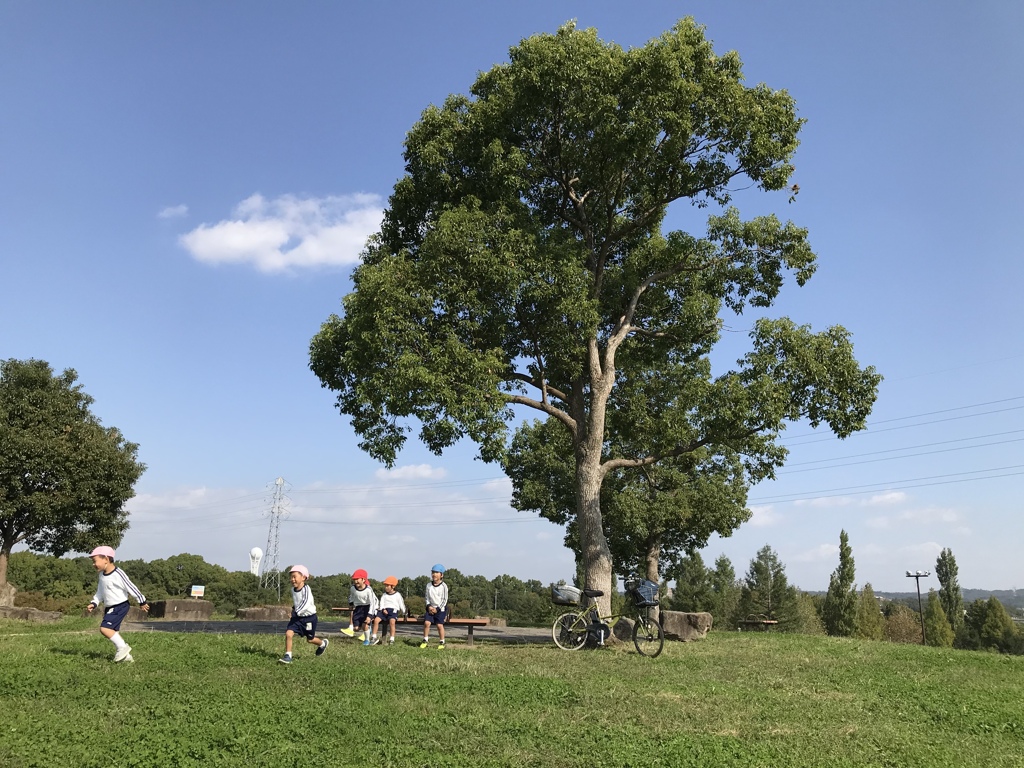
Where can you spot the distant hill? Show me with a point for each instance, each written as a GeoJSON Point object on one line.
{"type": "Point", "coordinates": [1012, 599]}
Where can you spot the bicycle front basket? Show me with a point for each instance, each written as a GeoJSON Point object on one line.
{"type": "Point", "coordinates": [564, 594]}
{"type": "Point", "coordinates": [644, 592]}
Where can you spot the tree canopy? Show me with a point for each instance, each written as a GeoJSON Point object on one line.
{"type": "Point", "coordinates": [521, 263]}
{"type": "Point", "coordinates": [64, 477]}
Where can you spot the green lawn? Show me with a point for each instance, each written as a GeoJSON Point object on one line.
{"type": "Point", "coordinates": [731, 700]}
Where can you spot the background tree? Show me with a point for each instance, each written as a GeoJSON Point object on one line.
{"type": "Point", "coordinates": [937, 631]}
{"type": "Point", "coordinates": [949, 589]}
{"type": "Point", "coordinates": [521, 263]}
{"type": "Point", "coordinates": [766, 590]}
{"type": "Point", "coordinates": [693, 589]}
{"type": "Point", "coordinates": [839, 613]}
{"type": "Point", "coordinates": [64, 477]}
{"type": "Point", "coordinates": [870, 621]}
{"type": "Point", "coordinates": [902, 623]}
{"type": "Point", "coordinates": [727, 593]}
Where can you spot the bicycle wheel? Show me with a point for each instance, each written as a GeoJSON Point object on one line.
{"type": "Point", "coordinates": [569, 631]}
{"type": "Point", "coordinates": [648, 637]}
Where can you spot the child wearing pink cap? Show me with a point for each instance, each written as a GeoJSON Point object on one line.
{"type": "Point", "coordinates": [113, 590]}
{"type": "Point", "coordinates": [303, 620]}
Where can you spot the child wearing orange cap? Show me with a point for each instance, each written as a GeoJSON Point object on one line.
{"type": "Point", "coordinates": [113, 590]}
{"type": "Point", "coordinates": [303, 620]}
{"type": "Point", "coordinates": [390, 608]}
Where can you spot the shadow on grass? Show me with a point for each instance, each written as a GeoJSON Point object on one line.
{"type": "Point", "coordinates": [82, 654]}
{"type": "Point", "coordinates": [255, 650]}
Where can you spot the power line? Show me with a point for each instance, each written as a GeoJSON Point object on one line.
{"type": "Point", "coordinates": [893, 458]}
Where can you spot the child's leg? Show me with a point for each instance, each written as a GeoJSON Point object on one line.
{"type": "Point", "coordinates": [440, 632]}
{"type": "Point", "coordinates": [426, 631]}
{"type": "Point", "coordinates": [391, 628]}
{"type": "Point", "coordinates": [288, 642]}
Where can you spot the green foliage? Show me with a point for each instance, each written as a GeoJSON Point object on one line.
{"type": "Point", "coordinates": [734, 699]}
{"type": "Point", "coordinates": [937, 631]}
{"type": "Point", "coordinates": [693, 589]}
{"type": "Point", "coordinates": [902, 624]}
{"type": "Point", "coordinates": [987, 626]}
{"type": "Point", "coordinates": [522, 263]}
{"type": "Point", "coordinates": [64, 477]}
{"type": "Point", "coordinates": [949, 589]}
{"type": "Point", "coordinates": [839, 613]}
{"type": "Point", "coordinates": [766, 591]}
{"type": "Point", "coordinates": [806, 616]}
{"type": "Point", "coordinates": [870, 620]}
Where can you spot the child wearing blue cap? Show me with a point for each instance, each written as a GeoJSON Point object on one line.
{"type": "Point", "coordinates": [437, 605]}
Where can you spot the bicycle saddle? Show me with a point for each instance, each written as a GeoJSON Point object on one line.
{"type": "Point", "coordinates": [593, 592]}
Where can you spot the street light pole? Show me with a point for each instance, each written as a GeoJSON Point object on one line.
{"type": "Point", "coordinates": [917, 576]}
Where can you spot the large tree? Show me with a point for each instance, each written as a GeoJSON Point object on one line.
{"type": "Point", "coordinates": [766, 590]}
{"type": "Point", "coordinates": [839, 613]}
{"type": "Point", "coordinates": [64, 477]}
{"type": "Point", "coordinates": [522, 263]}
{"type": "Point", "coordinates": [950, 596]}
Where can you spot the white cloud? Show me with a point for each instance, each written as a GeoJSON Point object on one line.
{"type": "Point", "coordinates": [929, 549]}
{"type": "Point", "coordinates": [412, 472]}
{"type": "Point", "coordinates": [825, 501]}
{"type": "Point", "coordinates": [173, 212]}
{"type": "Point", "coordinates": [818, 553]}
{"type": "Point", "coordinates": [762, 517]}
{"type": "Point", "coordinates": [884, 499]}
{"type": "Point", "coordinates": [289, 232]}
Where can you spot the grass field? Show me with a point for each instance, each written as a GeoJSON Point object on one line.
{"type": "Point", "coordinates": [731, 700]}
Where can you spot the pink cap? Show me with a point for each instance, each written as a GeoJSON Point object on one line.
{"type": "Point", "coordinates": [105, 551]}
{"type": "Point", "coordinates": [300, 569]}
{"type": "Point", "coordinates": [360, 574]}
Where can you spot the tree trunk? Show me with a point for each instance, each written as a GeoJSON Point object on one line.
{"type": "Point", "coordinates": [597, 557]}
{"type": "Point", "coordinates": [5, 556]}
{"type": "Point", "coordinates": [652, 562]}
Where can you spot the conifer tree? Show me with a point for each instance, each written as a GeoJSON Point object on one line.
{"type": "Point", "coordinates": [937, 630]}
{"type": "Point", "coordinates": [839, 614]}
{"type": "Point", "coordinates": [949, 589]}
{"type": "Point", "coordinates": [870, 621]}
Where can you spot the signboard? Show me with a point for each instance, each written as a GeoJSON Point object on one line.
{"type": "Point", "coordinates": [198, 590]}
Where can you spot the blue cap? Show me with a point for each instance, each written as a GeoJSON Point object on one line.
{"type": "Point", "coordinates": [437, 568]}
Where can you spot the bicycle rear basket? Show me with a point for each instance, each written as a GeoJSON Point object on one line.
{"type": "Point", "coordinates": [643, 592]}
{"type": "Point", "coordinates": [564, 594]}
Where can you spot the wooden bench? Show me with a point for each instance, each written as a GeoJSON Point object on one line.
{"type": "Point", "coordinates": [758, 623]}
{"type": "Point", "coordinates": [469, 624]}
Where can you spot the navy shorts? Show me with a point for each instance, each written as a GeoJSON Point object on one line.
{"type": "Point", "coordinates": [304, 626]}
{"type": "Point", "coordinates": [114, 615]}
{"type": "Point", "coordinates": [388, 613]}
{"type": "Point", "coordinates": [360, 613]}
{"type": "Point", "coordinates": [436, 618]}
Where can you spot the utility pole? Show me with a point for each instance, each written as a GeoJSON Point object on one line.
{"type": "Point", "coordinates": [917, 576]}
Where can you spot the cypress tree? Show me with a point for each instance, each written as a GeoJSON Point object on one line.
{"type": "Point", "coordinates": [938, 632]}
{"type": "Point", "coordinates": [870, 621]}
{"type": "Point", "coordinates": [839, 613]}
{"type": "Point", "coordinates": [949, 589]}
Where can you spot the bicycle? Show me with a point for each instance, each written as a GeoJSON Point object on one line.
{"type": "Point", "coordinates": [571, 630]}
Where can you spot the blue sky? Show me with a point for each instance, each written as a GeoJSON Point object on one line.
{"type": "Point", "coordinates": [184, 188]}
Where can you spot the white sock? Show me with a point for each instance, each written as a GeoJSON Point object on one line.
{"type": "Point", "coordinates": [118, 641]}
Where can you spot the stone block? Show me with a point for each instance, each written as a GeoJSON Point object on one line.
{"type": "Point", "coordinates": [685, 626]}
{"type": "Point", "coordinates": [29, 614]}
{"type": "Point", "coordinates": [181, 610]}
{"type": "Point", "coordinates": [7, 594]}
{"type": "Point", "coordinates": [265, 613]}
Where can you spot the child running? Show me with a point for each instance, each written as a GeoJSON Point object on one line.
{"type": "Point", "coordinates": [391, 607]}
{"type": "Point", "coordinates": [113, 590]}
{"type": "Point", "coordinates": [437, 605]}
{"type": "Point", "coordinates": [363, 602]}
{"type": "Point", "coordinates": [303, 620]}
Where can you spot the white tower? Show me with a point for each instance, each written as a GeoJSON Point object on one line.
{"type": "Point", "coordinates": [272, 567]}
{"type": "Point", "coordinates": [255, 555]}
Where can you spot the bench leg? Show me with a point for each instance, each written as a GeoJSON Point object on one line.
{"type": "Point", "coordinates": [469, 635]}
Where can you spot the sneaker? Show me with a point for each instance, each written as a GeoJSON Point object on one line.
{"type": "Point", "coordinates": [322, 647]}
{"type": "Point", "coordinates": [440, 647]}
{"type": "Point", "coordinates": [391, 641]}
{"type": "Point", "coordinates": [423, 644]}
{"type": "Point", "coordinates": [367, 642]}
{"type": "Point", "coordinates": [349, 631]}
{"type": "Point", "coordinates": [123, 653]}
{"type": "Point", "coordinates": [129, 659]}
{"type": "Point", "coordinates": [374, 640]}
{"type": "Point", "coordinates": [286, 659]}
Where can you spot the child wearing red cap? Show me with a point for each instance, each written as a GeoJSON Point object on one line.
{"type": "Point", "coordinates": [303, 620]}
{"type": "Point", "coordinates": [113, 590]}
{"type": "Point", "coordinates": [363, 602]}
